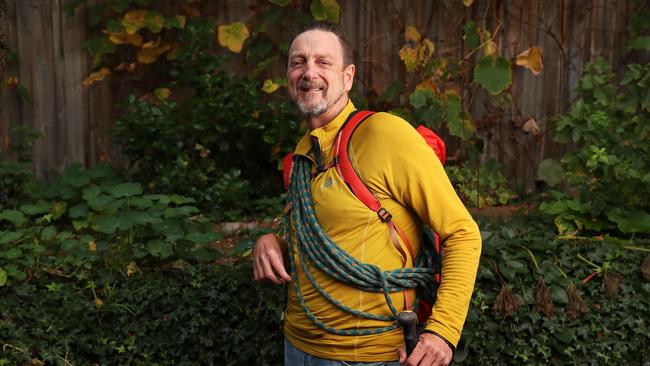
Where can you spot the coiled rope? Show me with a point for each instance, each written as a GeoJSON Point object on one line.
{"type": "Point", "coordinates": [312, 243]}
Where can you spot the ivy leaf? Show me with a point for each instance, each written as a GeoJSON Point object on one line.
{"type": "Point", "coordinates": [493, 73]}
{"type": "Point", "coordinates": [78, 211]}
{"type": "Point", "coordinates": [630, 221]}
{"type": "Point", "coordinates": [269, 86]}
{"type": "Point", "coordinates": [325, 10]}
{"type": "Point", "coordinates": [233, 36]}
{"type": "Point", "coordinates": [551, 172]}
{"type": "Point", "coordinates": [531, 59]}
{"type": "Point", "coordinates": [15, 217]}
{"type": "Point", "coordinates": [40, 207]}
{"type": "Point", "coordinates": [154, 21]}
{"type": "Point", "coordinates": [107, 224]}
{"type": "Point", "coordinates": [160, 249]}
{"type": "Point", "coordinates": [99, 46]}
{"type": "Point", "coordinates": [471, 36]}
{"type": "Point", "coordinates": [419, 97]}
{"type": "Point", "coordinates": [13, 253]}
{"type": "Point", "coordinates": [639, 43]}
{"type": "Point", "coordinates": [125, 190]}
{"type": "Point", "coordinates": [3, 277]}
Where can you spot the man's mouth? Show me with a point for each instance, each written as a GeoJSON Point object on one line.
{"type": "Point", "coordinates": [311, 88]}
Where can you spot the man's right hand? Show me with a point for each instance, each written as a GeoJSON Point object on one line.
{"type": "Point", "coordinates": [268, 263]}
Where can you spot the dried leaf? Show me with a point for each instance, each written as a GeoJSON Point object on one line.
{"type": "Point", "coordinates": [125, 38]}
{"type": "Point", "coordinates": [92, 246]}
{"type": "Point", "coordinates": [425, 51]}
{"type": "Point", "coordinates": [490, 48]}
{"type": "Point", "coordinates": [412, 35]}
{"type": "Point", "coordinates": [612, 283]}
{"type": "Point", "coordinates": [531, 127]}
{"type": "Point", "coordinates": [150, 51]}
{"type": "Point", "coordinates": [531, 59]}
{"type": "Point", "coordinates": [126, 66]}
{"type": "Point", "coordinates": [134, 20]}
{"type": "Point", "coordinates": [645, 267]}
{"type": "Point", "coordinates": [506, 303]}
{"type": "Point", "coordinates": [96, 76]}
{"type": "Point", "coordinates": [131, 268]}
{"type": "Point", "coordinates": [12, 82]}
{"type": "Point", "coordinates": [545, 303]}
{"type": "Point", "coordinates": [98, 302]}
{"type": "Point", "coordinates": [162, 93]}
{"type": "Point", "coordinates": [409, 56]}
{"type": "Point", "coordinates": [468, 3]}
{"type": "Point", "coordinates": [233, 36]}
{"type": "Point", "coordinates": [576, 306]}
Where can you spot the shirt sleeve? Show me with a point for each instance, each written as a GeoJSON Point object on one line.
{"type": "Point", "coordinates": [402, 163]}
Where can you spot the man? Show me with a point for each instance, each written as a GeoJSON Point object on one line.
{"type": "Point", "coordinates": [406, 176]}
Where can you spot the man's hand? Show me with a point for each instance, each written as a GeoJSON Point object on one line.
{"type": "Point", "coordinates": [431, 350]}
{"type": "Point", "coordinates": [268, 263]}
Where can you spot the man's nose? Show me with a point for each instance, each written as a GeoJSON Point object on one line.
{"type": "Point", "coordinates": [311, 72]}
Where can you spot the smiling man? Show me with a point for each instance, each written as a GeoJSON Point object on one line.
{"type": "Point", "coordinates": [330, 319]}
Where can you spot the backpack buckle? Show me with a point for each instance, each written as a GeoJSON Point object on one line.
{"type": "Point", "coordinates": [384, 215]}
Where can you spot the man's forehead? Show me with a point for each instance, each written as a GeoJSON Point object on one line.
{"type": "Point", "coordinates": [316, 41]}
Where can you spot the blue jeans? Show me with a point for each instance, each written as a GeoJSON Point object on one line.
{"type": "Point", "coordinates": [295, 357]}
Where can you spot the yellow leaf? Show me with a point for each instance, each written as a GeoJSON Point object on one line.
{"type": "Point", "coordinates": [410, 58]}
{"type": "Point", "coordinates": [12, 82]}
{"type": "Point", "coordinates": [174, 51]}
{"type": "Point", "coordinates": [468, 3]}
{"type": "Point", "coordinates": [181, 20]}
{"type": "Point", "coordinates": [134, 20]}
{"type": "Point", "coordinates": [425, 51]}
{"type": "Point", "coordinates": [412, 34]}
{"type": "Point", "coordinates": [255, 114]}
{"type": "Point", "coordinates": [427, 84]}
{"type": "Point", "coordinates": [92, 246]}
{"type": "Point", "coordinates": [531, 59]}
{"type": "Point", "coordinates": [98, 301]}
{"type": "Point", "coordinates": [531, 127]}
{"type": "Point", "coordinates": [490, 48]}
{"type": "Point", "coordinates": [233, 36]}
{"type": "Point", "coordinates": [150, 51]}
{"type": "Point", "coordinates": [162, 93]}
{"type": "Point", "coordinates": [131, 268]}
{"type": "Point", "coordinates": [269, 86]}
{"type": "Point", "coordinates": [96, 76]}
{"type": "Point", "coordinates": [125, 38]}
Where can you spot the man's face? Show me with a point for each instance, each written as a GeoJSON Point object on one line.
{"type": "Point", "coordinates": [318, 80]}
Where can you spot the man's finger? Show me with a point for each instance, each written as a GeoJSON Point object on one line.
{"type": "Point", "coordinates": [278, 265]}
{"type": "Point", "coordinates": [269, 274]}
{"type": "Point", "coordinates": [401, 353]}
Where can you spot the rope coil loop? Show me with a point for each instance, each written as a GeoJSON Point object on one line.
{"type": "Point", "coordinates": [312, 244]}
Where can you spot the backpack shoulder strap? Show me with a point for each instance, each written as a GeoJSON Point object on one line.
{"type": "Point", "coordinates": [343, 164]}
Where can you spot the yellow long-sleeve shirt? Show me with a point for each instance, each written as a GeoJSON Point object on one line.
{"type": "Point", "coordinates": [410, 182]}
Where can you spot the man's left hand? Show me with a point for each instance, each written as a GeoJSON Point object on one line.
{"type": "Point", "coordinates": [431, 350]}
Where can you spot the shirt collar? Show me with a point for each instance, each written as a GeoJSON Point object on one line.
{"type": "Point", "coordinates": [325, 134]}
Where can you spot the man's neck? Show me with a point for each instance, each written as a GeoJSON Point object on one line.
{"type": "Point", "coordinates": [329, 115]}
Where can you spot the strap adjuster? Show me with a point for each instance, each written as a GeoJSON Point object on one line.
{"type": "Point", "coordinates": [384, 215]}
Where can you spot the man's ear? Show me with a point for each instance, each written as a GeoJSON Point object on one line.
{"type": "Point", "coordinates": [348, 76]}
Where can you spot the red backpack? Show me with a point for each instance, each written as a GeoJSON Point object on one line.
{"type": "Point", "coordinates": [350, 176]}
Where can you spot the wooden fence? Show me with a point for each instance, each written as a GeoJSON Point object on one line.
{"type": "Point", "coordinates": [75, 121]}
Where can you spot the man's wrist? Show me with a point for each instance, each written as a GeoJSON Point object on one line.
{"type": "Point", "coordinates": [451, 346]}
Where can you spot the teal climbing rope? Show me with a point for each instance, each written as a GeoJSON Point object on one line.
{"type": "Point", "coordinates": [313, 245]}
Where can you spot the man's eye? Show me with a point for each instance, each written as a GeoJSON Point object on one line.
{"type": "Point", "coordinates": [297, 63]}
